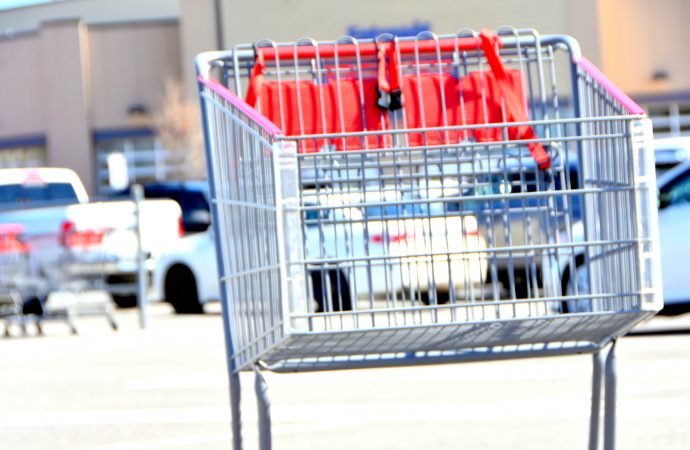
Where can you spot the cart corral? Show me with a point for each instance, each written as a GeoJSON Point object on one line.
{"type": "Point", "coordinates": [429, 199]}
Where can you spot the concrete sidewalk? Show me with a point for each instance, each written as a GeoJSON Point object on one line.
{"type": "Point", "coordinates": [165, 388]}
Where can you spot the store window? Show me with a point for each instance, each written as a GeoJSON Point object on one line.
{"type": "Point", "coordinates": [147, 160]}
{"type": "Point", "coordinates": [22, 157]}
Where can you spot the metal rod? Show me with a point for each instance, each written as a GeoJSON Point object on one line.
{"type": "Point", "coordinates": [610, 400]}
{"type": "Point", "coordinates": [419, 359]}
{"type": "Point", "coordinates": [142, 278]}
{"type": "Point", "coordinates": [235, 411]}
{"type": "Point", "coordinates": [264, 409]}
{"type": "Point", "coordinates": [597, 372]}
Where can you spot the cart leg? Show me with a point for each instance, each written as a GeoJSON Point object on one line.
{"type": "Point", "coordinates": [597, 372]}
{"type": "Point", "coordinates": [610, 400]}
{"type": "Point", "coordinates": [235, 410]}
{"type": "Point", "coordinates": [110, 316]}
{"type": "Point", "coordinates": [70, 321]}
{"type": "Point", "coordinates": [264, 406]}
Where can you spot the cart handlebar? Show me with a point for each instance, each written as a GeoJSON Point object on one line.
{"type": "Point", "coordinates": [346, 50]}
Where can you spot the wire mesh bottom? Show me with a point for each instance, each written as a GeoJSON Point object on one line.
{"type": "Point", "coordinates": [482, 340]}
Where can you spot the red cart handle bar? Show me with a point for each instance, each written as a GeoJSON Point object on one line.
{"type": "Point", "coordinates": [487, 42]}
{"type": "Point", "coordinates": [368, 49]}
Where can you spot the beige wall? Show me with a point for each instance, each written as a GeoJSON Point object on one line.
{"type": "Point", "coordinates": [251, 20]}
{"type": "Point", "coordinates": [583, 22]}
{"type": "Point", "coordinates": [130, 65]}
{"type": "Point", "coordinates": [91, 11]}
{"type": "Point", "coordinates": [21, 87]}
{"type": "Point", "coordinates": [640, 37]}
{"type": "Point", "coordinates": [198, 34]}
{"type": "Point", "coordinates": [67, 99]}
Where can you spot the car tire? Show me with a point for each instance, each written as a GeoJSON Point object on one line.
{"type": "Point", "coordinates": [520, 278]}
{"type": "Point", "coordinates": [441, 298]}
{"type": "Point", "coordinates": [341, 298]}
{"type": "Point", "coordinates": [581, 278]}
{"type": "Point", "coordinates": [181, 290]}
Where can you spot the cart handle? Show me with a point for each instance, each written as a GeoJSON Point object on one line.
{"type": "Point", "coordinates": [378, 49]}
{"type": "Point", "coordinates": [366, 49]}
{"type": "Point", "coordinates": [390, 92]}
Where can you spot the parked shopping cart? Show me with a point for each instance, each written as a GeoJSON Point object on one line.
{"type": "Point", "coordinates": [429, 199]}
{"type": "Point", "coordinates": [77, 282]}
{"type": "Point", "coordinates": [17, 279]}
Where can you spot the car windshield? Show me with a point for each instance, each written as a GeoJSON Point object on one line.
{"type": "Point", "coordinates": [515, 183]}
{"type": "Point", "coordinates": [18, 195]}
{"type": "Point", "coordinates": [675, 192]}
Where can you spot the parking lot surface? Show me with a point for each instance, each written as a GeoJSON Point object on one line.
{"type": "Point", "coordinates": [166, 387]}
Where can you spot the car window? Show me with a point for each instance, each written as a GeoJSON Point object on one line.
{"type": "Point", "coordinates": [315, 216]}
{"type": "Point", "coordinates": [677, 192]}
{"type": "Point", "coordinates": [15, 195]}
{"type": "Point", "coordinates": [193, 203]}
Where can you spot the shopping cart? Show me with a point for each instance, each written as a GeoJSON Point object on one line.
{"type": "Point", "coordinates": [77, 280]}
{"type": "Point", "coordinates": [17, 279]}
{"type": "Point", "coordinates": [428, 199]}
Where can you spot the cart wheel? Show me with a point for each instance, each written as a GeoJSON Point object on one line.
{"type": "Point", "coordinates": [568, 284]}
{"type": "Point", "coordinates": [125, 301]}
{"type": "Point", "coordinates": [341, 299]}
{"type": "Point", "coordinates": [181, 291]}
{"type": "Point", "coordinates": [32, 306]}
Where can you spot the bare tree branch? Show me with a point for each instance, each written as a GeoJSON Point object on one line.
{"type": "Point", "coordinates": [178, 124]}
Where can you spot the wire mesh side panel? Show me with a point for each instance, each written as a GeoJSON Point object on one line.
{"type": "Point", "coordinates": [619, 266]}
{"type": "Point", "coordinates": [241, 159]}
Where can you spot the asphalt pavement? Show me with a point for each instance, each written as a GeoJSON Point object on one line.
{"type": "Point", "coordinates": [166, 388]}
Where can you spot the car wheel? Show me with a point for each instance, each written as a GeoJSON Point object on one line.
{"type": "Point", "coordinates": [572, 283]}
{"type": "Point", "coordinates": [181, 291]}
{"type": "Point", "coordinates": [441, 298]}
{"type": "Point", "coordinates": [341, 299]}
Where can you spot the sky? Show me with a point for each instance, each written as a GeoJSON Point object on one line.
{"type": "Point", "coordinates": [7, 4]}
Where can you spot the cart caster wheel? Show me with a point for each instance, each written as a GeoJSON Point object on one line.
{"type": "Point", "coordinates": [125, 301]}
